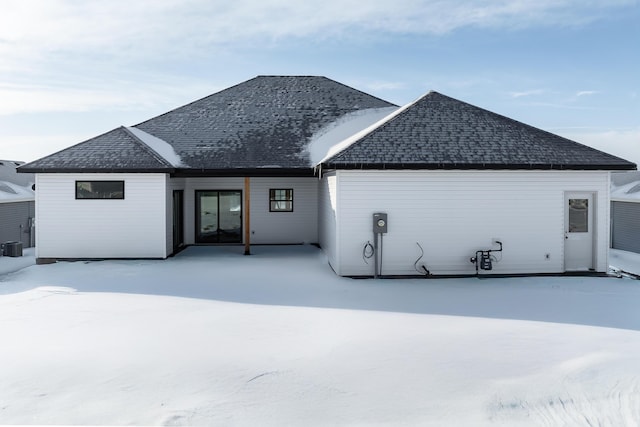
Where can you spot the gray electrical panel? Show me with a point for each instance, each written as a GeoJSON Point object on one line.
{"type": "Point", "coordinates": [379, 222]}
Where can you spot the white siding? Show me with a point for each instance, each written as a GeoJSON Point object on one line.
{"type": "Point", "coordinates": [602, 219]}
{"type": "Point", "coordinates": [327, 224]}
{"type": "Point", "coordinates": [299, 226]}
{"type": "Point", "coordinates": [454, 213]}
{"type": "Point", "coordinates": [131, 228]}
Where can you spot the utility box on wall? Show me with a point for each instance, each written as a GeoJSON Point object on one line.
{"type": "Point", "coordinates": [379, 222]}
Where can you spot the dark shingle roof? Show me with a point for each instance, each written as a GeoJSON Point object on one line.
{"type": "Point", "coordinates": [115, 151]}
{"type": "Point", "coordinates": [441, 132]}
{"type": "Point", "coordinates": [261, 123]}
{"type": "Point", "coordinates": [265, 124]}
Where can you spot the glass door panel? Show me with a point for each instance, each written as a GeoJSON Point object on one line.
{"type": "Point", "coordinates": [230, 219]}
{"type": "Point", "coordinates": [206, 216]}
{"type": "Point", "coordinates": [218, 216]}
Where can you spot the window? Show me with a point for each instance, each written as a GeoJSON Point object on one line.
{"type": "Point", "coordinates": [99, 189]}
{"type": "Point", "coordinates": [578, 215]}
{"type": "Point", "coordinates": [281, 200]}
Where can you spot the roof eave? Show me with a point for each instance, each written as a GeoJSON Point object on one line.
{"type": "Point", "coordinates": [476, 166]}
{"type": "Point", "coordinates": [95, 170]}
{"type": "Point", "coordinates": [238, 172]}
{"type": "Point", "coordinates": [188, 172]}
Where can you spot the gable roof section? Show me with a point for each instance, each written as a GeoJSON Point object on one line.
{"type": "Point", "coordinates": [115, 151]}
{"type": "Point", "coordinates": [265, 122]}
{"type": "Point", "coordinates": [439, 132]}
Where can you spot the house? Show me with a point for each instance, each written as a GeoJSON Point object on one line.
{"type": "Point", "coordinates": [17, 205]}
{"type": "Point", "coordinates": [455, 179]}
{"type": "Point", "coordinates": [625, 211]}
{"type": "Point", "coordinates": [422, 189]}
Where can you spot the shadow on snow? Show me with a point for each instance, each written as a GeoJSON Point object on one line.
{"type": "Point", "coordinates": [300, 276]}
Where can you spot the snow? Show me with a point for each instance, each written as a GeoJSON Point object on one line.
{"type": "Point", "coordinates": [625, 261]}
{"type": "Point", "coordinates": [625, 187]}
{"type": "Point", "coordinates": [163, 148]}
{"type": "Point", "coordinates": [211, 337]}
{"type": "Point", "coordinates": [327, 141]}
{"type": "Point", "coordinates": [348, 140]}
{"type": "Point", "coordinates": [12, 264]}
{"type": "Point", "coordinates": [15, 187]}
{"type": "Point", "coordinates": [10, 192]}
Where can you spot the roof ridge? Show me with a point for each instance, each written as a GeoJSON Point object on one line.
{"type": "Point", "coordinates": [359, 91]}
{"type": "Point", "coordinates": [146, 147]}
{"type": "Point", "coordinates": [26, 165]}
{"type": "Point", "coordinates": [372, 146]}
{"type": "Point", "coordinates": [193, 102]}
{"type": "Point", "coordinates": [368, 130]}
{"type": "Point", "coordinates": [512, 120]}
{"type": "Point", "coordinates": [534, 128]}
{"type": "Point", "coordinates": [287, 75]}
{"type": "Point", "coordinates": [256, 78]}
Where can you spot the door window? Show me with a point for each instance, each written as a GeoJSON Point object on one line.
{"type": "Point", "coordinates": [578, 215]}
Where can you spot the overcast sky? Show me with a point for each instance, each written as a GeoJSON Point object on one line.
{"type": "Point", "coordinates": [73, 69]}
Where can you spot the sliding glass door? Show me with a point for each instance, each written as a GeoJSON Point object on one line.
{"type": "Point", "coordinates": [218, 216]}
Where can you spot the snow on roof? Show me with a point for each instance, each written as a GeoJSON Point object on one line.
{"type": "Point", "coordinates": [15, 187]}
{"type": "Point", "coordinates": [15, 193]}
{"type": "Point", "coordinates": [268, 120]}
{"type": "Point", "coordinates": [625, 186]}
{"type": "Point", "coordinates": [619, 179]}
{"type": "Point", "coordinates": [627, 192]}
{"type": "Point", "coordinates": [345, 143]}
{"type": "Point", "coordinates": [163, 148]}
{"type": "Point", "coordinates": [328, 140]}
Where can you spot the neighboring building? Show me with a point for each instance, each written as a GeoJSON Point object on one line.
{"type": "Point", "coordinates": [17, 204]}
{"type": "Point", "coordinates": [285, 160]}
{"type": "Point", "coordinates": [625, 211]}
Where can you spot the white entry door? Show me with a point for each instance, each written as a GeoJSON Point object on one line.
{"type": "Point", "coordinates": [578, 223]}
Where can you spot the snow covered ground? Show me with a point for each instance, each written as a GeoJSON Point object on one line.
{"type": "Point", "coordinates": [211, 337]}
{"type": "Point", "coordinates": [11, 264]}
{"type": "Point", "coordinates": [628, 262]}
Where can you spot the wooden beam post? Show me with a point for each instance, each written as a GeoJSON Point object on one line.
{"type": "Point", "coordinates": [247, 216]}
